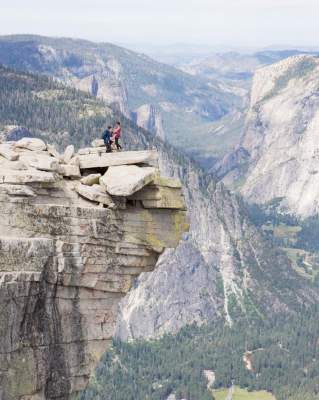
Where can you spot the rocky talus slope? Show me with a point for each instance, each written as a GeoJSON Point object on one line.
{"type": "Point", "coordinates": [278, 158]}
{"type": "Point", "coordinates": [76, 229]}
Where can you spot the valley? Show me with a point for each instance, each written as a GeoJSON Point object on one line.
{"type": "Point", "coordinates": [246, 276]}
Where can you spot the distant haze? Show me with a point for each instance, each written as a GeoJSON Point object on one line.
{"type": "Point", "coordinates": [211, 22]}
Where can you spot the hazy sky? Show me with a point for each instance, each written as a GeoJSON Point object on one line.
{"type": "Point", "coordinates": [226, 22]}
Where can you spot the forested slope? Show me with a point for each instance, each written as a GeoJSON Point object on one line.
{"type": "Point", "coordinates": [283, 352]}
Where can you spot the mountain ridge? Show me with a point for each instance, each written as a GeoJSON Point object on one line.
{"type": "Point", "coordinates": [133, 82]}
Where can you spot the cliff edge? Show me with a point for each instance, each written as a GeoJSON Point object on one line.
{"type": "Point", "coordinates": [75, 230]}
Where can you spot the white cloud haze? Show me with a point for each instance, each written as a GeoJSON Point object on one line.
{"type": "Point", "coordinates": [227, 22]}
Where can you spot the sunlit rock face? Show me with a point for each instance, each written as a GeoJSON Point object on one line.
{"type": "Point", "coordinates": [278, 158]}
{"type": "Point", "coordinates": [67, 258]}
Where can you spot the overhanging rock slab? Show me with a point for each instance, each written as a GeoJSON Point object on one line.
{"type": "Point", "coordinates": [125, 180]}
{"type": "Point", "coordinates": [104, 160]}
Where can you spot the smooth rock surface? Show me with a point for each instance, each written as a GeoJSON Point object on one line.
{"type": "Point", "coordinates": [125, 180]}
{"type": "Point", "coordinates": [103, 160]}
{"type": "Point", "coordinates": [53, 151]}
{"type": "Point", "coordinates": [153, 196]}
{"type": "Point", "coordinates": [12, 165]}
{"type": "Point", "coordinates": [43, 163]}
{"type": "Point", "coordinates": [31, 144]}
{"type": "Point", "coordinates": [98, 143]}
{"type": "Point", "coordinates": [28, 176]}
{"type": "Point", "coordinates": [91, 179]}
{"type": "Point", "coordinates": [68, 153]}
{"type": "Point", "coordinates": [8, 152]}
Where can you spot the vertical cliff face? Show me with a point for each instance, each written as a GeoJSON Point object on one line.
{"type": "Point", "coordinates": [149, 117]}
{"type": "Point", "coordinates": [69, 251]}
{"type": "Point", "coordinates": [223, 270]}
{"type": "Point", "coordinates": [278, 156]}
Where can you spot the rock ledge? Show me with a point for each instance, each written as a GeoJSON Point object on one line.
{"type": "Point", "coordinates": [69, 251]}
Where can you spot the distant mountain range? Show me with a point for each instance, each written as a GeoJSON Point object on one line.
{"type": "Point", "coordinates": [159, 97]}
{"type": "Point", "coordinates": [199, 104]}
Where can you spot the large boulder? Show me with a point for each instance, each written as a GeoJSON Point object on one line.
{"type": "Point", "coordinates": [91, 179]}
{"type": "Point", "coordinates": [43, 163]}
{"type": "Point", "coordinates": [68, 170]}
{"type": "Point", "coordinates": [68, 153]}
{"type": "Point", "coordinates": [7, 151]}
{"type": "Point", "coordinates": [31, 144]}
{"type": "Point", "coordinates": [28, 176]}
{"type": "Point", "coordinates": [53, 151]}
{"type": "Point", "coordinates": [95, 193]}
{"type": "Point", "coordinates": [125, 180]}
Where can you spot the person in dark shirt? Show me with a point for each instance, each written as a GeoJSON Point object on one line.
{"type": "Point", "coordinates": [107, 134]}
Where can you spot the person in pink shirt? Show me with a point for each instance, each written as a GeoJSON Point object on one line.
{"type": "Point", "coordinates": [117, 134]}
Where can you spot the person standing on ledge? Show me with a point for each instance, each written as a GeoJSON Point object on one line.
{"type": "Point", "coordinates": [107, 139]}
{"type": "Point", "coordinates": [117, 134]}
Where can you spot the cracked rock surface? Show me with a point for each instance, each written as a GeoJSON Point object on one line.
{"type": "Point", "coordinates": [67, 257]}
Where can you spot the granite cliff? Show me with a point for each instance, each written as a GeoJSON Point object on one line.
{"type": "Point", "coordinates": [76, 230]}
{"type": "Point", "coordinates": [277, 160]}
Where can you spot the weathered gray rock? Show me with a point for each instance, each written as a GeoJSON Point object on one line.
{"type": "Point", "coordinates": [17, 190]}
{"type": "Point", "coordinates": [72, 171]}
{"type": "Point", "coordinates": [154, 196]}
{"type": "Point", "coordinates": [92, 150]}
{"type": "Point", "coordinates": [95, 193]}
{"type": "Point", "coordinates": [27, 176]}
{"type": "Point", "coordinates": [91, 179]}
{"type": "Point", "coordinates": [13, 165]}
{"type": "Point", "coordinates": [103, 160]}
{"type": "Point", "coordinates": [125, 180]}
{"type": "Point", "coordinates": [65, 262]}
{"type": "Point", "coordinates": [43, 163]}
{"type": "Point", "coordinates": [31, 144]}
{"type": "Point", "coordinates": [75, 161]}
{"type": "Point", "coordinates": [53, 152]}
{"type": "Point", "coordinates": [68, 153]}
{"type": "Point", "coordinates": [98, 143]}
{"type": "Point", "coordinates": [8, 152]}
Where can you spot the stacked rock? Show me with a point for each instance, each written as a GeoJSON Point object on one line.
{"type": "Point", "coordinates": [76, 229]}
{"type": "Point", "coordinates": [103, 178]}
